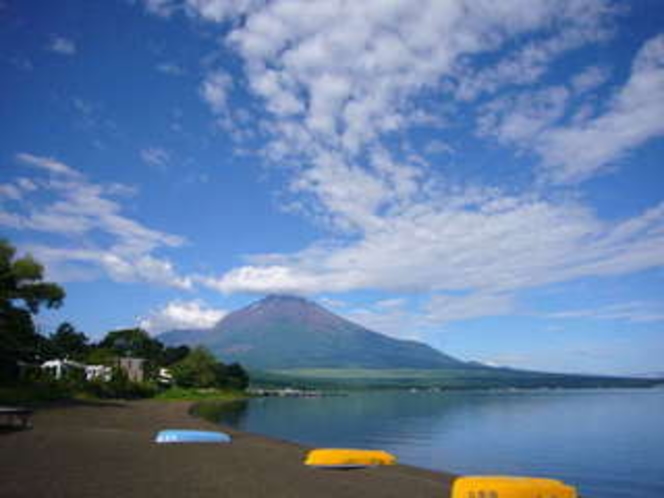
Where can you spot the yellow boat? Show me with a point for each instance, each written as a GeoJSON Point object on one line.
{"type": "Point", "coordinates": [510, 487]}
{"type": "Point", "coordinates": [338, 458]}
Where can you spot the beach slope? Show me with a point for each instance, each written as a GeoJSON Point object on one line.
{"type": "Point", "coordinates": [106, 450]}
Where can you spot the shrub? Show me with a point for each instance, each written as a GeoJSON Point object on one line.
{"type": "Point", "coordinates": [120, 387]}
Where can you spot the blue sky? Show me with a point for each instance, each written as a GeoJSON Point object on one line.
{"type": "Point", "coordinates": [482, 176]}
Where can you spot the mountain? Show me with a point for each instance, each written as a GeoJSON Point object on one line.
{"type": "Point", "coordinates": [290, 341]}
{"type": "Point", "coordinates": [287, 332]}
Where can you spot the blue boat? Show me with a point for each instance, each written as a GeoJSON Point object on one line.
{"type": "Point", "coordinates": [188, 436]}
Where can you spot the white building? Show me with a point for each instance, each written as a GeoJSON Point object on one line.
{"type": "Point", "coordinates": [58, 368]}
{"type": "Point", "coordinates": [165, 377]}
{"type": "Point", "coordinates": [98, 372]}
{"type": "Point", "coordinates": [133, 367]}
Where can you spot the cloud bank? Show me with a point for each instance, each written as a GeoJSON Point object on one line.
{"type": "Point", "coordinates": [87, 219]}
{"type": "Point", "coordinates": [343, 84]}
{"type": "Point", "coordinates": [179, 315]}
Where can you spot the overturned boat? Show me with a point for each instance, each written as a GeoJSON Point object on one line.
{"type": "Point", "coordinates": [344, 458]}
{"type": "Point", "coordinates": [510, 487]}
{"type": "Point", "coordinates": [190, 436]}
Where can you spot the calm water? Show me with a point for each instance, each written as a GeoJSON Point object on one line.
{"type": "Point", "coordinates": [609, 443]}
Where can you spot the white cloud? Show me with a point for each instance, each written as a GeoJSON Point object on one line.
{"type": "Point", "coordinates": [161, 8]}
{"type": "Point", "coordinates": [337, 76]}
{"type": "Point", "coordinates": [170, 68]}
{"type": "Point", "coordinates": [145, 268]}
{"type": "Point", "coordinates": [332, 303]}
{"type": "Point", "coordinates": [221, 10]}
{"type": "Point", "coordinates": [26, 184]}
{"type": "Point", "coordinates": [48, 164]}
{"type": "Point", "coordinates": [589, 79]}
{"type": "Point", "coordinates": [338, 81]}
{"type": "Point", "coordinates": [522, 118]}
{"type": "Point", "coordinates": [633, 312]}
{"type": "Point", "coordinates": [394, 321]}
{"type": "Point", "coordinates": [591, 142]}
{"type": "Point", "coordinates": [97, 235]}
{"type": "Point", "coordinates": [392, 303]}
{"type": "Point", "coordinates": [577, 152]}
{"type": "Point", "coordinates": [451, 308]}
{"type": "Point", "coordinates": [63, 46]}
{"type": "Point", "coordinates": [214, 90]}
{"type": "Point", "coordinates": [9, 220]}
{"type": "Point", "coordinates": [490, 243]}
{"type": "Point", "coordinates": [265, 280]}
{"type": "Point", "coordinates": [9, 191]}
{"type": "Point", "coordinates": [436, 146]}
{"type": "Point", "coordinates": [181, 315]}
{"type": "Point", "coordinates": [530, 61]}
{"type": "Point", "coordinates": [396, 318]}
{"type": "Point", "coordinates": [75, 263]}
{"type": "Point", "coordinates": [155, 156]}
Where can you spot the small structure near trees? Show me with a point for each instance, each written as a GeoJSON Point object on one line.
{"type": "Point", "coordinates": [98, 372]}
{"type": "Point", "coordinates": [125, 363]}
{"type": "Point", "coordinates": [60, 368]}
{"type": "Point", "coordinates": [133, 367]}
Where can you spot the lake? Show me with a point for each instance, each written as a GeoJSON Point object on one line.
{"type": "Point", "coordinates": [609, 443]}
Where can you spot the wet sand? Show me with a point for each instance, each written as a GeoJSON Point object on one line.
{"type": "Point", "coordinates": [106, 450]}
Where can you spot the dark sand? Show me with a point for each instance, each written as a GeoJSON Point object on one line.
{"type": "Point", "coordinates": [107, 451]}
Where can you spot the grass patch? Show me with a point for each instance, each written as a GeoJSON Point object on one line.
{"type": "Point", "coordinates": [471, 377]}
{"type": "Point", "coordinates": [197, 394]}
{"type": "Point", "coordinates": [32, 394]}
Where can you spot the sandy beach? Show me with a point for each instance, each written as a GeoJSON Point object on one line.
{"type": "Point", "coordinates": [106, 450]}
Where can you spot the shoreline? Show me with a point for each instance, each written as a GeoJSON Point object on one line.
{"type": "Point", "coordinates": [106, 450]}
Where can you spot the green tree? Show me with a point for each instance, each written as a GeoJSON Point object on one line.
{"type": "Point", "coordinates": [133, 342]}
{"type": "Point", "coordinates": [201, 369]}
{"type": "Point", "coordinates": [21, 282]}
{"type": "Point", "coordinates": [101, 356]}
{"type": "Point", "coordinates": [22, 293]}
{"type": "Point", "coordinates": [137, 343]}
{"type": "Point", "coordinates": [173, 354]}
{"type": "Point", "coordinates": [198, 369]}
{"type": "Point", "coordinates": [66, 342]}
{"type": "Point", "coordinates": [237, 377]}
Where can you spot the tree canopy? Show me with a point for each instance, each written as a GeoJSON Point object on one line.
{"type": "Point", "coordinates": [133, 342]}
{"type": "Point", "coordinates": [67, 342]}
{"type": "Point", "coordinates": [173, 354]}
{"type": "Point", "coordinates": [198, 369]}
{"type": "Point", "coordinates": [22, 293]}
{"type": "Point", "coordinates": [21, 282]}
{"type": "Point", "coordinates": [201, 369]}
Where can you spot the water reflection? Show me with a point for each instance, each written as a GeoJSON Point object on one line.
{"type": "Point", "coordinates": [609, 442]}
{"type": "Point", "coordinates": [229, 412]}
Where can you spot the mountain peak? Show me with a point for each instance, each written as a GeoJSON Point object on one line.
{"type": "Point", "coordinates": [284, 331]}
{"type": "Point", "coordinates": [284, 298]}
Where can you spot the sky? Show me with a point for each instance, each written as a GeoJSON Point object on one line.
{"type": "Point", "coordinates": [482, 176]}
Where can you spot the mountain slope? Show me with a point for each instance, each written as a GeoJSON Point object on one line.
{"type": "Point", "coordinates": [281, 332]}
{"type": "Point", "coordinates": [291, 341]}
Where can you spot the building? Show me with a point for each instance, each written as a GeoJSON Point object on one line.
{"type": "Point", "coordinates": [133, 367]}
{"type": "Point", "coordinates": [98, 372]}
{"type": "Point", "coordinates": [58, 368]}
{"type": "Point", "coordinates": [165, 377]}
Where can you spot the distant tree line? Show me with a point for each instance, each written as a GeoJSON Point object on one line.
{"type": "Point", "coordinates": [23, 293]}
